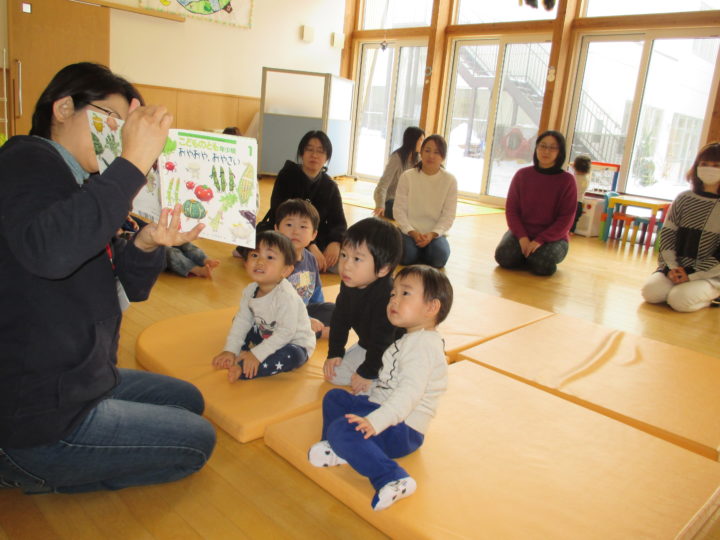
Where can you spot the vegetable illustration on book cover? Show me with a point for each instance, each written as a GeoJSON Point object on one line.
{"type": "Point", "coordinates": [212, 176]}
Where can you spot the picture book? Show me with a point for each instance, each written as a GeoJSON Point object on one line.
{"type": "Point", "coordinates": [212, 176]}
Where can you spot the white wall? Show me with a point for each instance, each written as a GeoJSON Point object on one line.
{"type": "Point", "coordinates": [199, 55]}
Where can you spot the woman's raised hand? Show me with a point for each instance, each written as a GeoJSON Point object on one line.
{"type": "Point", "coordinates": [144, 134]}
{"type": "Point", "coordinates": [166, 234]}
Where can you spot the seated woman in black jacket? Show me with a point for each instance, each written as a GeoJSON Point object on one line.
{"type": "Point", "coordinates": [308, 179]}
{"type": "Point", "coordinates": [70, 419]}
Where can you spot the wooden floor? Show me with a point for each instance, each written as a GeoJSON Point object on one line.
{"type": "Point", "coordinates": [246, 490]}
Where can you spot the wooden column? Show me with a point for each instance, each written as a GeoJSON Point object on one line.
{"type": "Point", "coordinates": [434, 68]}
{"type": "Point", "coordinates": [351, 21]}
{"type": "Point", "coordinates": [558, 68]}
{"type": "Point", "coordinates": [714, 131]}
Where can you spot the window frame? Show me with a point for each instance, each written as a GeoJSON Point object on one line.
{"type": "Point", "coordinates": [358, 70]}
{"type": "Point", "coordinates": [647, 37]}
{"type": "Point", "coordinates": [502, 40]}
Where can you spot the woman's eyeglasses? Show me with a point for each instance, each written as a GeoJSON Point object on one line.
{"type": "Point", "coordinates": [548, 147]}
{"type": "Point", "coordinates": [319, 150]}
{"type": "Point", "coordinates": [111, 114]}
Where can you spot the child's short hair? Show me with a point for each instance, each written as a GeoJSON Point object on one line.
{"type": "Point", "coordinates": [435, 285]}
{"type": "Point", "coordinates": [298, 207]}
{"type": "Point", "coordinates": [582, 164]}
{"type": "Point", "coordinates": [274, 239]}
{"type": "Point", "coordinates": [382, 238]}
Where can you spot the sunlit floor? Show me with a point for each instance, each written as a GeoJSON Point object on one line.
{"type": "Point", "coordinates": [246, 490]}
{"type": "Point", "coordinates": [597, 282]}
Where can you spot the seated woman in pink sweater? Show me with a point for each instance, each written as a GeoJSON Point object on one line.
{"type": "Point", "coordinates": [540, 210]}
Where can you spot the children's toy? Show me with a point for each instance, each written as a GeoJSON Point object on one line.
{"type": "Point", "coordinates": [604, 177]}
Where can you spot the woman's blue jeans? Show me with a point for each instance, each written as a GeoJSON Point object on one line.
{"type": "Point", "coordinates": [435, 254]}
{"type": "Point", "coordinates": [148, 431]}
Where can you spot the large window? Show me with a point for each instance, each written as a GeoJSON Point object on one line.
{"type": "Point", "coordinates": [396, 13]}
{"type": "Point", "coordinates": [642, 102]}
{"type": "Point", "coordinates": [604, 97]}
{"type": "Point", "coordinates": [677, 88]}
{"type": "Point", "coordinates": [492, 11]}
{"type": "Point", "coordinates": [389, 98]}
{"type": "Point", "coordinates": [603, 8]}
{"type": "Point", "coordinates": [493, 112]}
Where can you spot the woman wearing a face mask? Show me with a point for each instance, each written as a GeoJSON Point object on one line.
{"type": "Point", "coordinates": [688, 275]}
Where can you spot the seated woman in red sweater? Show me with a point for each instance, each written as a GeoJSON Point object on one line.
{"type": "Point", "coordinates": [540, 210]}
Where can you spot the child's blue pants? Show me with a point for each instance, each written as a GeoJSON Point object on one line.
{"type": "Point", "coordinates": [286, 358]}
{"type": "Point", "coordinates": [371, 457]}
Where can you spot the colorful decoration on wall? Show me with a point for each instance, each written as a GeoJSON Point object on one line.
{"type": "Point", "coordinates": [231, 12]}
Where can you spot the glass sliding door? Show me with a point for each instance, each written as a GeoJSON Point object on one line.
{"type": "Point", "coordinates": [674, 106]}
{"type": "Point", "coordinates": [408, 93]}
{"type": "Point", "coordinates": [606, 92]}
{"type": "Point", "coordinates": [517, 113]}
{"type": "Point", "coordinates": [491, 119]}
{"type": "Point", "coordinates": [389, 98]}
{"type": "Point", "coordinates": [642, 101]}
{"type": "Point", "coordinates": [469, 112]}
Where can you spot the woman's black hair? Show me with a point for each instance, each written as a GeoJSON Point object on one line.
{"type": "Point", "coordinates": [84, 82]}
{"type": "Point", "coordinates": [382, 238]}
{"type": "Point", "coordinates": [436, 286]}
{"type": "Point", "coordinates": [709, 152]}
{"type": "Point", "coordinates": [440, 144]}
{"type": "Point", "coordinates": [274, 239]}
{"type": "Point", "coordinates": [409, 144]}
{"type": "Point", "coordinates": [320, 136]}
{"type": "Point", "coordinates": [562, 152]}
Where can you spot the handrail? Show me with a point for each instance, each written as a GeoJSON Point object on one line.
{"type": "Point", "coordinates": [530, 66]}
{"type": "Point", "coordinates": [483, 56]}
{"type": "Point", "coordinates": [595, 130]}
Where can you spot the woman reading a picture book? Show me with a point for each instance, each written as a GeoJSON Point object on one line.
{"type": "Point", "coordinates": [70, 420]}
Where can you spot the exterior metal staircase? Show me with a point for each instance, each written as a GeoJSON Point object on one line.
{"type": "Point", "coordinates": [596, 133]}
{"type": "Point", "coordinates": [525, 74]}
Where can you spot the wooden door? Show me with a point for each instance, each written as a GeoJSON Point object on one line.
{"type": "Point", "coordinates": [44, 36]}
